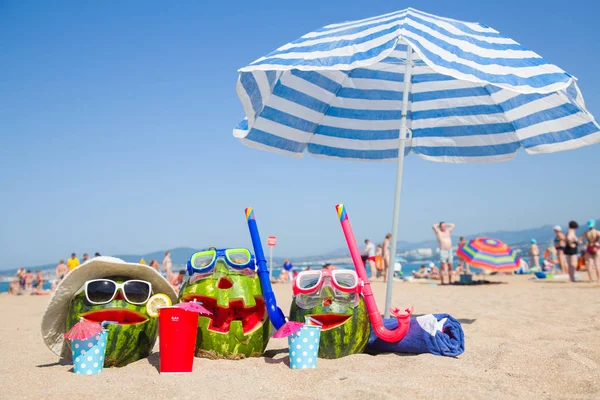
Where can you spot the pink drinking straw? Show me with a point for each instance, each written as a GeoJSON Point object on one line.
{"type": "Point", "coordinates": [376, 321]}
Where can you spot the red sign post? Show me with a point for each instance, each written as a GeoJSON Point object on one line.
{"type": "Point", "coordinates": [271, 241]}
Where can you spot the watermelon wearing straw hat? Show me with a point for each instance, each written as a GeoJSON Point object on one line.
{"type": "Point", "coordinates": [101, 289]}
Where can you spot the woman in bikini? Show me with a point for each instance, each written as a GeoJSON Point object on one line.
{"type": "Point", "coordinates": [572, 249]}
{"type": "Point", "coordinates": [592, 251]}
{"type": "Point", "coordinates": [559, 245]}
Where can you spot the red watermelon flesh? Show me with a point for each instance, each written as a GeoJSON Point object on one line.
{"type": "Point", "coordinates": [122, 316]}
{"type": "Point", "coordinates": [330, 321]}
{"type": "Point", "coordinates": [221, 318]}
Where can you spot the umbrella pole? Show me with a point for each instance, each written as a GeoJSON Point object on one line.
{"type": "Point", "coordinates": [401, 147]}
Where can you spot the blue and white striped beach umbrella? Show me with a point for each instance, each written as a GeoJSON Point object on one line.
{"type": "Point", "coordinates": [469, 95]}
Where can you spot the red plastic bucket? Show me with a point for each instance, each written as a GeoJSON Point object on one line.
{"type": "Point", "coordinates": [177, 330]}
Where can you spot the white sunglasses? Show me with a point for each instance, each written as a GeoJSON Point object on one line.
{"type": "Point", "coordinates": [103, 291]}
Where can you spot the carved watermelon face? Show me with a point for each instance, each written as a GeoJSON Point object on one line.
{"type": "Point", "coordinates": [239, 325]}
{"type": "Point", "coordinates": [131, 339]}
{"type": "Point", "coordinates": [345, 329]}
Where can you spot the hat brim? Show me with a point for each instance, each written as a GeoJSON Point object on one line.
{"type": "Point", "coordinates": [55, 315]}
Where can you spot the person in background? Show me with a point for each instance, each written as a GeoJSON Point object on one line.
{"type": "Point", "coordinates": [142, 261]}
{"type": "Point", "coordinates": [21, 277]}
{"type": "Point", "coordinates": [559, 245]}
{"type": "Point", "coordinates": [379, 261]}
{"type": "Point", "coordinates": [328, 267]}
{"type": "Point", "coordinates": [308, 268]}
{"type": "Point", "coordinates": [443, 234]}
{"type": "Point", "coordinates": [167, 265]}
{"type": "Point", "coordinates": [369, 253]}
{"type": "Point", "coordinates": [286, 271]}
{"type": "Point", "coordinates": [39, 281]}
{"type": "Point", "coordinates": [592, 250]}
{"type": "Point", "coordinates": [73, 262]}
{"type": "Point", "coordinates": [85, 257]}
{"type": "Point", "coordinates": [29, 280]}
{"type": "Point", "coordinates": [386, 255]}
{"type": "Point", "coordinates": [61, 270]}
{"type": "Point", "coordinates": [422, 273]}
{"type": "Point", "coordinates": [15, 288]}
{"type": "Point", "coordinates": [154, 264]}
{"type": "Point", "coordinates": [461, 263]}
{"type": "Point", "coordinates": [434, 272]}
{"type": "Point", "coordinates": [534, 252]}
{"type": "Point", "coordinates": [97, 254]}
{"type": "Point", "coordinates": [572, 248]}
{"type": "Point", "coordinates": [178, 279]}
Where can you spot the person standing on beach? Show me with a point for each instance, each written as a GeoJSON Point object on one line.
{"type": "Point", "coordinates": [443, 234]}
{"type": "Point", "coordinates": [61, 270]}
{"type": "Point", "coordinates": [572, 249]}
{"type": "Point", "coordinates": [85, 257]}
{"type": "Point", "coordinates": [73, 262]}
{"type": "Point", "coordinates": [29, 280]}
{"type": "Point", "coordinates": [379, 260]}
{"type": "Point", "coordinates": [167, 265]}
{"type": "Point", "coordinates": [592, 250]}
{"type": "Point", "coordinates": [559, 245]}
{"type": "Point", "coordinates": [534, 251]}
{"type": "Point", "coordinates": [21, 277]}
{"type": "Point", "coordinates": [386, 255]}
{"type": "Point", "coordinates": [369, 253]}
{"type": "Point", "coordinates": [39, 281]}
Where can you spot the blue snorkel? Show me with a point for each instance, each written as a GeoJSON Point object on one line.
{"type": "Point", "coordinates": [275, 313]}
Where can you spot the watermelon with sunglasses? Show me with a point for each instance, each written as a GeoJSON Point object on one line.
{"type": "Point", "coordinates": [107, 289]}
{"type": "Point", "coordinates": [122, 300]}
{"type": "Point", "coordinates": [225, 282]}
{"type": "Point", "coordinates": [333, 298]}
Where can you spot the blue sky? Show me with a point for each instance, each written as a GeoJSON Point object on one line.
{"type": "Point", "coordinates": [116, 119]}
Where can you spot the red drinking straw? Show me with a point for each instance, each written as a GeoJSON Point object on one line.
{"type": "Point", "coordinates": [376, 321]}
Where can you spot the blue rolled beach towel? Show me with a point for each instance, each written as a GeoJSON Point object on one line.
{"type": "Point", "coordinates": [438, 334]}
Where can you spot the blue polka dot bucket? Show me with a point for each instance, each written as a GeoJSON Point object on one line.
{"type": "Point", "coordinates": [88, 354]}
{"type": "Point", "coordinates": [304, 347]}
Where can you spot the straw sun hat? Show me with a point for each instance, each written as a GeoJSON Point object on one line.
{"type": "Point", "coordinates": [55, 316]}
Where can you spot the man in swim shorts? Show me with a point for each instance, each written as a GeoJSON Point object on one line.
{"type": "Point", "coordinates": [370, 252]}
{"type": "Point", "coordinates": [442, 233]}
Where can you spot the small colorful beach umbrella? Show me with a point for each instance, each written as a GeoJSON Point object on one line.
{"type": "Point", "coordinates": [490, 254]}
{"type": "Point", "coordinates": [193, 306]}
{"type": "Point", "coordinates": [288, 329]}
{"type": "Point", "coordinates": [83, 330]}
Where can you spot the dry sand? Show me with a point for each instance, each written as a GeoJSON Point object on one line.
{"type": "Point", "coordinates": [524, 339]}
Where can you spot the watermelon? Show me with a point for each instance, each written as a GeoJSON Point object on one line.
{"type": "Point", "coordinates": [345, 329]}
{"type": "Point", "coordinates": [239, 325]}
{"type": "Point", "coordinates": [131, 339]}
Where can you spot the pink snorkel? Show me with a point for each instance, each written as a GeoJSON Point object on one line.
{"type": "Point", "coordinates": [374, 315]}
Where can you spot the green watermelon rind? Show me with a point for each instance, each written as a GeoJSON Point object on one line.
{"type": "Point", "coordinates": [349, 338]}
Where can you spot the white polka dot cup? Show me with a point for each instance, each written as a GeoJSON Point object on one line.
{"type": "Point", "coordinates": [304, 347]}
{"type": "Point", "coordinates": [88, 354]}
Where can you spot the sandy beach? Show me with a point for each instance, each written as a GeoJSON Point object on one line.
{"type": "Point", "coordinates": [524, 339]}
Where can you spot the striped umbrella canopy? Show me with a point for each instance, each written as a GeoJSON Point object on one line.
{"type": "Point", "coordinates": [408, 81]}
{"type": "Point", "coordinates": [489, 254]}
